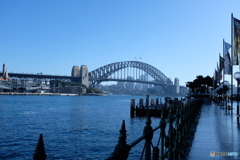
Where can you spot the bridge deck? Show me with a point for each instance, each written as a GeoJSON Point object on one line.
{"type": "Point", "coordinates": [216, 131]}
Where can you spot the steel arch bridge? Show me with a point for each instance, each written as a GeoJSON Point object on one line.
{"type": "Point", "coordinates": [121, 71]}
{"type": "Point", "coordinates": [126, 71]}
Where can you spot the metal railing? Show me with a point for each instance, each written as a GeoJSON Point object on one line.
{"type": "Point", "coordinates": [182, 121]}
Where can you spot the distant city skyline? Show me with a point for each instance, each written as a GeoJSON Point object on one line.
{"type": "Point", "coordinates": [183, 39]}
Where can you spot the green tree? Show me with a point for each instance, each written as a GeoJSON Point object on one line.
{"type": "Point", "coordinates": [200, 84]}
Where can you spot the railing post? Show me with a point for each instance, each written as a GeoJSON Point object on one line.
{"type": "Point", "coordinates": [155, 153]}
{"type": "Point", "coordinates": [148, 133]}
{"type": "Point", "coordinates": [170, 134]}
{"type": "Point", "coordinates": [40, 153]}
{"type": "Point", "coordinates": [177, 133]}
{"type": "Point", "coordinates": [185, 117]}
{"type": "Point", "coordinates": [162, 134]}
{"type": "Point", "coordinates": [181, 125]}
{"type": "Point", "coordinates": [122, 149]}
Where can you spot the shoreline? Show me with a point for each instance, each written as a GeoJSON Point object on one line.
{"type": "Point", "coordinates": [49, 94]}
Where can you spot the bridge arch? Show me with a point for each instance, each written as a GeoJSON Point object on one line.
{"type": "Point", "coordinates": [101, 74]}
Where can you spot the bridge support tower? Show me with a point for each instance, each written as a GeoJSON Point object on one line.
{"type": "Point", "coordinates": [84, 75]}
{"type": "Point", "coordinates": [75, 71]}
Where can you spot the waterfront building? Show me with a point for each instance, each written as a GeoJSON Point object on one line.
{"type": "Point", "coordinates": [138, 86]}
{"type": "Point", "coordinates": [183, 90]}
{"type": "Point", "coordinates": [121, 84]}
{"type": "Point", "coordinates": [130, 85]}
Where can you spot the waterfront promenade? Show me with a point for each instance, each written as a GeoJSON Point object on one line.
{"type": "Point", "coordinates": [217, 131]}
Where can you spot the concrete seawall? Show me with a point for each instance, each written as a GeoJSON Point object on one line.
{"type": "Point", "coordinates": [39, 94]}
{"type": "Point", "coordinates": [50, 94]}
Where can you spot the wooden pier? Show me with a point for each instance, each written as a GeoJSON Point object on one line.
{"type": "Point", "coordinates": [155, 108]}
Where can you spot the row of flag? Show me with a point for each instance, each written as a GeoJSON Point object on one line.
{"type": "Point", "coordinates": [226, 62]}
{"type": "Point", "coordinates": [137, 58]}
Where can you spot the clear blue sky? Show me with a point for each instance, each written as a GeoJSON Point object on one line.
{"type": "Point", "coordinates": [182, 38]}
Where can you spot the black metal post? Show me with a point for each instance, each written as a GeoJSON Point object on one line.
{"type": "Point", "coordinates": [238, 101]}
{"type": "Point", "coordinates": [148, 133]}
{"type": "Point", "coordinates": [170, 134]}
{"type": "Point", "coordinates": [162, 135]}
{"type": "Point", "coordinates": [40, 153]}
{"type": "Point", "coordinates": [122, 149]}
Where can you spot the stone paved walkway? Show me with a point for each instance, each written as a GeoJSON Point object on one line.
{"type": "Point", "coordinates": [217, 131]}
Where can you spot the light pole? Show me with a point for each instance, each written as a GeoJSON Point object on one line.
{"type": "Point", "coordinates": [237, 77]}
{"type": "Point", "coordinates": [220, 94]}
{"type": "Point", "coordinates": [225, 86]}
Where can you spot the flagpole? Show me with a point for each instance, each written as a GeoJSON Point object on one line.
{"type": "Point", "coordinates": [232, 60]}
{"type": "Point", "coordinates": [219, 74]}
{"type": "Point", "coordinates": [213, 88]}
{"type": "Point", "coordinates": [224, 60]}
{"type": "Point", "coordinates": [224, 78]}
{"type": "Point", "coordinates": [220, 69]}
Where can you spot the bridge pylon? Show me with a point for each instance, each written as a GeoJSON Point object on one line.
{"type": "Point", "coordinates": [84, 75]}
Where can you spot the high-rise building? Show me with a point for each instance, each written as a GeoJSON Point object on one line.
{"type": "Point", "coordinates": [3, 71]}
{"type": "Point", "coordinates": [176, 81]}
{"type": "Point", "coordinates": [121, 84]}
{"type": "Point", "coordinates": [130, 84]}
{"type": "Point", "coordinates": [176, 84]}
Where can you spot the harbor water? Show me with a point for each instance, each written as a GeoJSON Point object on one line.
{"type": "Point", "coordinates": [73, 127]}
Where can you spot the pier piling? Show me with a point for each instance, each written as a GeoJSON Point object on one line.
{"type": "Point", "coordinates": [141, 103]}
{"type": "Point", "coordinates": [147, 100]}
{"type": "Point", "coordinates": [132, 108]}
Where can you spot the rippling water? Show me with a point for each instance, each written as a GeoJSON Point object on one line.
{"type": "Point", "coordinates": [73, 127]}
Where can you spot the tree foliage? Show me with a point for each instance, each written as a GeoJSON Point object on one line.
{"type": "Point", "coordinates": [93, 90]}
{"type": "Point", "coordinates": [59, 83]}
{"type": "Point", "coordinates": [223, 90]}
{"type": "Point", "coordinates": [200, 84]}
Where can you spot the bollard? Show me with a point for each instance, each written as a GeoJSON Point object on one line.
{"type": "Point", "coordinates": [40, 150]}
{"type": "Point", "coordinates": [132, 107]}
